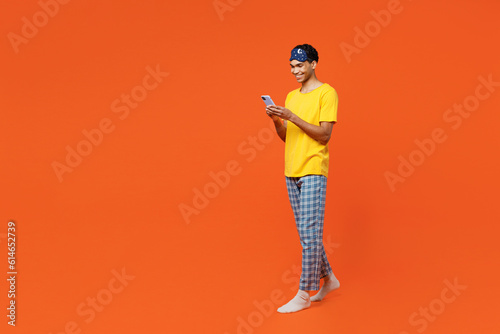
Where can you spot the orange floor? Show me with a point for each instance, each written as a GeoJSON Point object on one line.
{"type": "Point", "coordinates": [146, 184]}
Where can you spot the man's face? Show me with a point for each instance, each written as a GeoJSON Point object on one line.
{"type": "Point", "coordinates": [302, 71]}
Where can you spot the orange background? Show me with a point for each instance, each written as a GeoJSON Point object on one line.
{"type": "Point", "coordinates": [391, 250]}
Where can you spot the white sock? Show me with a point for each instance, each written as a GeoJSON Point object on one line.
{"type": "Point", "coordinates": [330, 283]}
{"type": "Point", "coordinates": [299, 302]}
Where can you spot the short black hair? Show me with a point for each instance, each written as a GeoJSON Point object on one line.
{"type": "Point", "coordinates": [311, 52]}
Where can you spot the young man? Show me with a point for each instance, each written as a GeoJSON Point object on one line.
{"type": "Point", "coordinates": [308, 118]}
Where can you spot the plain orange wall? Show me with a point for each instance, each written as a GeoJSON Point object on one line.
{"type": "Point", "coordinates": [394, 248]}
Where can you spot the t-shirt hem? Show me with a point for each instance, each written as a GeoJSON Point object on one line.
{"type": "Point", "coordinates": [304, 174]}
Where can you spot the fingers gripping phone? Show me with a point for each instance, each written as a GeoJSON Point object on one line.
{"type": "Point", "coordinates": [267, 100]}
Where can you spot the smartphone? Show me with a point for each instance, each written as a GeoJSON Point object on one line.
{"type": "Point", "coordinates": [267, 100]}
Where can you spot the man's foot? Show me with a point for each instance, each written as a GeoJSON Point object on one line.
{"type": "Point", "coordinates": [299, 302]}
{"type": "Point", "coordinates": [331, 283]}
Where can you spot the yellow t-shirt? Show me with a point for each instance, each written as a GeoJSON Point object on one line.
{"type": "Point", "coordinates": [304, 155]}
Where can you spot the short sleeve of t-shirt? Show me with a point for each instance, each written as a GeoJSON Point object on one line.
{"type": "Point", "coordinates": [329, 105]}
{"type": "Point", "coordinates": [288, 96]}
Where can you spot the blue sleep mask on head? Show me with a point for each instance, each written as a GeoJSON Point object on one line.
{"type": "Point", "coordinates": [299, 55]}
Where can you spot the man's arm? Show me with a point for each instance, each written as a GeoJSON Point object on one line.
{"type": "Point", "coordinates": [321, 133]}
{"type": "Point", "coordinates": [280, 127]}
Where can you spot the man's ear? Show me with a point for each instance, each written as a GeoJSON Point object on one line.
{"type": "Point", "coordinates": [313, 64]}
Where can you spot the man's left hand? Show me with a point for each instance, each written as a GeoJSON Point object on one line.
{"type": "Point", "coordinates": [281, 112]}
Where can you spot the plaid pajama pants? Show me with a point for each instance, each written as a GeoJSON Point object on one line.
{"type": "Point", "coordinates": [307, 196]}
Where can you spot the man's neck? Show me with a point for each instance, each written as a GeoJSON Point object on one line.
{"type": "Point", "coordinates": [310, 85]}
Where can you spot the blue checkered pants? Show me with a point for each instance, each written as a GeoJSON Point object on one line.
{"type": "Point", "coordinates": [307, 196]}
